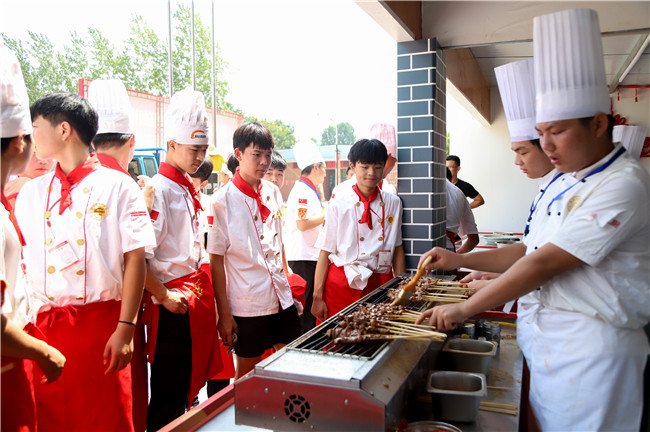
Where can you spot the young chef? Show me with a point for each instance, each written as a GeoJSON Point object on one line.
{"type": "Point", "coordinates": [361, 239]}
{"type": "Point", "coordinates": [305, 215]}
{"type": "Point", "coordinates": [587, 247]}
{"type": "Point", "coordinates": [182, 345]}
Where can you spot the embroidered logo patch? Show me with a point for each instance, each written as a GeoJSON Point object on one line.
{"type": "Point", "coordinates": [198, 134]}
{"type": "Point", "coordinates": [210, 220]}
{"type": "Point", "coordinates": [302, 201]}
{"type": "Point", "coordinates": [614, 223]}
{"type": "Point", "coordinates": [302, 213]}
{"type": "Point", "coordinates": [138, 214]}
{"type": "Point", "coordinates": [390, 219]}
{"type": "Point", "coordinates": [574, 201]}
{"type": "Point", "coordinates": [99, 211]}
{"type": "Point", "coordinates": [154, 215]}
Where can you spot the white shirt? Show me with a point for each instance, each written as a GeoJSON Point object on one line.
{"type": "Point", "coordinates": [347, 184]}
{"type": "Point", "coordinates": [355, 246]}
{"type": "Point", "coordinates": [460, 219]}
{"type": "Point", "coordinates": [303, 203]}
{"type": "Point", "coordinates": [604, 223]}
{"type": "Point", "coordinates": [177, 231]}
{"type": "Point", "coordinates": [15, 299]}
{"type": "Point", "coordinates": [108, 217]}
{"type": "Point", "coordinates": [252, 250]}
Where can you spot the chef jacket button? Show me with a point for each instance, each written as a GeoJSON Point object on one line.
{"type": "Point", "coordinates": [358, 204]}
{"type": "Point", "coordinates": [49, 189]}
{"type": "Point", "coordinates": [361, 238]}
{"type": "Point", "coordinates": [80, 272]}
{"type": "Point", "coordinates": [268, 197]}
{"type": "Point", "coordinates": [255, 217]}
{"type": "Point", "coordinates": [48, 241]}
{"type": "Point", "coordinates": [47, 214]}
{"type": "Point", "coordinates": [261, 236]}
{"type": "Point", "coordinates": [80, 215]}
{"type": "Point", "coordinates": [80, 242]}
{"type": "Point", "coordinates": [86, 190]}
{"type": "Point", "coordinates": [51, 269]}
{"type": "Point", "coordinates": [381, 238]}
{"type": "Point", "coordinates": [380, 220]}
{"type": "Point", "coordinates": [80, 298]}
{"type": "Point", "coordinates": [381, 204]}
{"type": "Point", "coordinates": [363, 253]}
{"type": "Point", "coordinates": [50, 298]}
{"type": "Point", "coordinates": [535, 247]}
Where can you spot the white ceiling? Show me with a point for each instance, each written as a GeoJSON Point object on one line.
{"type": "Point", "coordinates": [501, 32]}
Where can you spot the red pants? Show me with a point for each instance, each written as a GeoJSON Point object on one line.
{"type": "Point", "coordinates": [338, 295]}
{"type": "Point", "coordinates": [83, 398]}
{"type": "Point", "coordinates": [18, 407]}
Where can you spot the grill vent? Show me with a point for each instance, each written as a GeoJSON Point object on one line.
{"type": "Point", "coordinates": [297, 408]}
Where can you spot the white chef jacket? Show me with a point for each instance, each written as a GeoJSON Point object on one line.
{"type": "Point", "coordinates": [303, 203]}
{"type": "Point", "coordinates": [353, 245]}
{"type": "Point", "coordinates": [586, 348]}
{"type": "Point", "coordinates": [604, 223]}
{"type": "Point", "coordinates": [15, 299]}
{"type": "Point", "coordinates": [347, 184]}
{"type": "Point", "coordinates": [252, 250]}
{"type": "Point", "coordinates": [460, 219]}
{"type": "Point", "coordinates": [108, 217]}
{"type": "Point", "coordinates": [178, 236]}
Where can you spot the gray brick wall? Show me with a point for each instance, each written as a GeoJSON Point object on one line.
{"type": "Point", "coordinates": [421, 145]}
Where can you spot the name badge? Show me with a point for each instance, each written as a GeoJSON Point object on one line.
{"type": "Point", "coordinates": [384, 259]}
{"type": "Point", "coordinates": [62, 256]}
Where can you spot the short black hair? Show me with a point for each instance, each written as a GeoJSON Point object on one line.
{"type": "Point", "coordinates": [610, 126]}
{"type": "Point", "coordinates": [308, 169]}
{"type": "Point", "coordinates": [232, 164]}
{"type": "Point", "coordinates": [204, 171]}
{"type": "Point", "coordinates": [61, 107]}
{"type": "Point", "coordinates": [277, 161]}
{"type": "Point", "coordinates": [454, 158]}
{"type": "Point", "coordinates": [536, 143]}
{"type": "Point", "coordinates": [6, 141]}
{"type": "Point", "coordinates": [253, 133]}
{"type": "Point", "coordinates": [368, 151]}
{"type": "Point", "coordinates": [110, 140]}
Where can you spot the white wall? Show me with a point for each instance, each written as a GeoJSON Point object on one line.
{"type": "Point", "coordinates": [487, 163]}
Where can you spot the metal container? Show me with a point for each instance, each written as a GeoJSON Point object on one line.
{"type": "Point", "coordinates": [431, 426]}
{"type": "Point", "coordinates": [470, 355]}
{"type": "Point", "coordinates": [492, 332]}
{"type": "Point", "coordinates": [456, 395]}
{"type": "Point", "coordinates": [470, 330]}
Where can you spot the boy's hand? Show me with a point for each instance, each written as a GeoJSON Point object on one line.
{"type": "Point", "coordinates": [227, 330]}
{"type": "Point", "coordinates": [479, 275]}
{"type": "Point", "coordinates": [319, 309]}
{"type": "Point", "coordinates": [174, 302]}
{"type": "Point", "coordinates": [51, 363]}
{"type": "Point", "coordinates": [119, 348]}
{"type": "Point", "coordinates": [441, 259]}
{"type": "Point", "coordinates": [445, 317]}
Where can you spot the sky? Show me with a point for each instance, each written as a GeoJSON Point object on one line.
{"type": "Point", "coordinates": [309, 63]}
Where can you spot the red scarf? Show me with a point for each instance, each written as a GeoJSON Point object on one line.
{"type": "Point", "coordinates": [184, 180]}
{"type": "Point", "coordinates": [75, 176]}
{"type": "Point", "coordinates": [248, 190]}
{"type": "Point", "coordinates": [111, 162]}
{"type": "Point", "coordinates": [12, 217]}
{"type": "Point", "coordinates": [366, 217]}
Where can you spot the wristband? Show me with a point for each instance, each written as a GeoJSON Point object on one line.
{"type": "Point", "coordinates": [127, 322]}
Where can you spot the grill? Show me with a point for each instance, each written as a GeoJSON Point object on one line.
{"type": "Point", "coordinates": [315, 384]}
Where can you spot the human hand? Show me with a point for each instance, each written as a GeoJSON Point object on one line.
{"type": "Point", "coordinates": [149, 193]}
{"type": "Point", "coordinates": [319, 309]}
{"type": "Point", "coordinates": [51, 363]}
{"type": "Point", "coordinates": [143, 180]}
{"type": "Point", "coordinates": [174, 302]}
{"type": "Point", "coordinates": [119, 348]}
{"type": "Point", "coordinates": [476, 285]}
{"type": "Point", "coordinates": [440, 259]}
{"type": "Point", "coordinates": [227, 328]}
{"type": "Point", "coordinates": [479, 275]}
{"type": "Point", "coordinates": [445, 317]}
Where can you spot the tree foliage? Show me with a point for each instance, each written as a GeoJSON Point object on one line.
{"type": "Point", "coordinates": [345, 134]}
{"type": "Point", "coordinates": [283, 134]}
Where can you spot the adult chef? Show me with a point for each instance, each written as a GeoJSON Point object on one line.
{"type": "Point", "coordinates": [587, 247]}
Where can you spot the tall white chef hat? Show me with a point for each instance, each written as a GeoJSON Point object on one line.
{"type": "Point", "coordinates": [517, 88]}
{"type": "Point", "coordinates": [307, 153]}
{"type": "Point", "coordinates": [632, 138]}
{"type": "Point", "coordinates": [569, 67]}
{"type": "Point", "coordinates": [14, 101]}
{"type": "Point", "coordinates": [111, 101]}
{"type": "Point", "coordinates": [386, 134]}
{"type": "Point", "coordinates": [186, 120]}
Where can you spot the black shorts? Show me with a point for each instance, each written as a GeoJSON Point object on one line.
{"type": "Point", "coordinates": [257, 334]}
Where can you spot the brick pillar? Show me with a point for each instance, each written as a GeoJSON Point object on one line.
{"type": "Point", "coordinates": [421, 145]}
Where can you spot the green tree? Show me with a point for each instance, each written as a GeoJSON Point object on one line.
{"type": "Point", "coordinates": [345, 132]}
{"type": "Point", "coordinates": [283, 134]}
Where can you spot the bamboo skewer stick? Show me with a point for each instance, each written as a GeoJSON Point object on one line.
{"type": "Point", "coordinates": [498, 410]}
{"type": "Point", "coordinates": [505, 405]}
{"type": "Point", "coordinates": [498, 388]}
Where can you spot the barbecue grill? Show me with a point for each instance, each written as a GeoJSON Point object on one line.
{"type": "Point", "coordinates": [315, 384]}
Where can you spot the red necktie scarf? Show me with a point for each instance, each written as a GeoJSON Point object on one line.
{"type": "Point", "coordinates": [12, 217]}
{"type": "Point", "coordinates": [248, 190]}
{"type": "Point", "coordinates": [184, 180]}
{"type": "Point", "coordinates": [366, 217]}
{"type": "Point", "coordinates": [75, 176]}
{"type": "Point", "coordinates": [112, 163]}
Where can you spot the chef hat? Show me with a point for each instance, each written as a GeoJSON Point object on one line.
{"type": "Point", "coordinates": [186, 120]}
{"type": "Point", "coordinates": [14, 101]}
{"type": "Point", "coordinates": [569, 67]}
{"type": "Point", "coordinates": [517, 88]}
{"type": "Point", "coordinates": [632, 138]}
{"type": "Point", "coordinates": [307, 153]}
{"type": "Point", "coordinates": [386, 134]}
{"type": "Point", "coordinates": [111, 101]}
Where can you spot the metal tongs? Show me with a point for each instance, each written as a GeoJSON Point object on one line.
{"type": "Point", "coordinates": [408, 290]}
